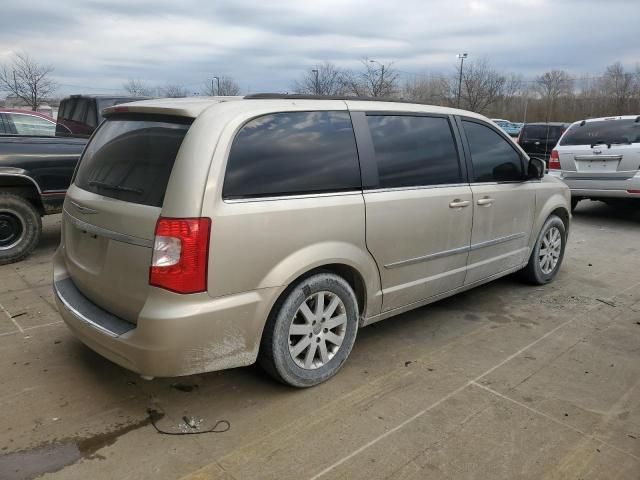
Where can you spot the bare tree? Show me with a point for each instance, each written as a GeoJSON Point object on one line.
{"type": "Point", "coordinates": [138, 88]}
{"type": "Point", "coordinates": [374, 80]}
{"type": "Point", "coordinates": [432, 89]}
{"type": "Point", "coordinates": [224, 86]}
{"type": "Point", "coordinates": [482, 85]}
{"type": "Point", "coordinates": [26, 79]}
{"type": "Point", "coordinates": [173, 90]}
{"type": "Point", "coordinates": [324, 79]}
{"type": "Point", "coordinates": [552, 86]}
{"type": "Point", "coordinates": [619, 86]}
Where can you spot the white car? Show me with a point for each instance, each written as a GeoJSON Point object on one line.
{"type": "Point", "coordinates": [599, 158]}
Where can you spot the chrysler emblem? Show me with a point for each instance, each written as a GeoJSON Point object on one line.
{"type": "Point", "coordinates": [597, 151]}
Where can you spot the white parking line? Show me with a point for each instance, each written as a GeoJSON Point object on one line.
{"type": "Point", "coordinates": [20, 329]}
{"type": "Point", "coordinates": [435, 404]}
{"type": "Point", "coordinates": [555, 420]}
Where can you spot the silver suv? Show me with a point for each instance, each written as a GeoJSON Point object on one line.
{"type": "Point", "coordinates": [599, 158]}
{"type": "Point", "coordinates": [204, 234]}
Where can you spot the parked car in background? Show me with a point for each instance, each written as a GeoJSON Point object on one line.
{"type": "Point", "coordinates": [35, 172]}
{"type": "Point", "coordinates": [538, 139]}
{"type": "Point", "coordinates": [599, 158]}
{"type": "Point", "coordinates": [26, 122]}
{"type": "Point", "coordinates": [510, 128]}
{"type": "Point", "coordinates": [200, 235]}
{"type": "Point", "coordinates": [79, 115]}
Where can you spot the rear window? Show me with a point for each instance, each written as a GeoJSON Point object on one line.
{"type": "Point", "coordinates": [541, 132]}
{"type": "Point", "coordinates": [603, 131]}
{"type": "Point", "coordinates": [130, 158]}
{"type": "Point", "coordinates": [293, 153]}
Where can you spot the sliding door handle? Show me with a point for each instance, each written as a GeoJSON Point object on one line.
{"type": "Point", "coordinates": [457, 203]}
{"type": "Point", "coordinates": [486, 201]}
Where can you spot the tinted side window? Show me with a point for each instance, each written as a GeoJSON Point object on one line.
{"type": "Point", "coordinates": [493, 158]}
{"type": "Point", "coordinates": [293, 153]}
{"type": "Point", "coordinates": [414, 151]}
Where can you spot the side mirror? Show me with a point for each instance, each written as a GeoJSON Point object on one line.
{"type": "Point", "coordinates": [536, 168]}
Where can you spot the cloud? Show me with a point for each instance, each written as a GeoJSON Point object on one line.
{"type": "Point", "coordinates": [265, 46]}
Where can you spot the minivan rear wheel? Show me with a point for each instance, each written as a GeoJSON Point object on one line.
{"type": "Point", "coordinates": [310, 334]}
{"type": "Point", "coordinates": [548, 252]}
{"type": "Point", "coordinates": [20, 227]}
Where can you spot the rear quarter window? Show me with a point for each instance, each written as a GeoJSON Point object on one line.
{"type": "Point", "coordinates": [293, 153]}
{"type": "Point", "coordinates": [130, 158]}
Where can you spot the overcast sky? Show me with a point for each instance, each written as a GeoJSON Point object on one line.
{"type": "Point", "coordinates": [266, 44]}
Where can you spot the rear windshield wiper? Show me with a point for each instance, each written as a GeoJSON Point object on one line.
{"type": "Point", "coordinates": [600, 142]}
{"type": "Point", "coordinates": [108, 186]}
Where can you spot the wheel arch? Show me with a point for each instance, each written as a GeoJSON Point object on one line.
{"type": "Point", "coordinates": [555, 204]}
{"type": "Point", "coordinates": [24, 186]}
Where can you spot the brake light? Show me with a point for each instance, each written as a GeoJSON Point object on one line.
{"type": "Point", "coordinates": [554, 160]}
{"type": "Point", "coordinates": [181, 254]}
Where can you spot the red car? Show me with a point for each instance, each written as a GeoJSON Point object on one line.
{"type": "Point", "coordinates": [26, 122]}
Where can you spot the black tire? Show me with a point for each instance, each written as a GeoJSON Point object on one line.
{"type": "Point", "coordinates": [275, 356]}
{"type": "Point", "coordinates": [533, 272]}
{"type": "Point", "coordinates": [20, 228]}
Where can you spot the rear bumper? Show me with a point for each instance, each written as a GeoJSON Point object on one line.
{"type": "Point", "coordinates": [175, 334]}
{"type": "Point", "coordinates": [600, 187]}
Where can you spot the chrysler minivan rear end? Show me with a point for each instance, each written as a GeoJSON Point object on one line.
{"type": "Point", "coordinates": [130, 275]}
{"type": "Point", "coordinates": [152, 270]}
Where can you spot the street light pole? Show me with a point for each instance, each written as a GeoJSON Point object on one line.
{"type": "Point", "coordinates": [375, 94]}
{"type": "Point", "coordinates": [316, 86]}
{"type": "Point", "coordinates": [461, 56]}
{"type": "Point", "coordinates": [218, 81]}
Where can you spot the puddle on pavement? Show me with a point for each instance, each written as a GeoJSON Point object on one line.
{"type": "Point", "coordinates": [29, 464]}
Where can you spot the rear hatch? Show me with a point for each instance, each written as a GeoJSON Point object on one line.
{"type": "Point", "coordinates": [539, 140]}
{"type": "Point", "coordinates": [112, 207]}
{"type": "Point", "coordinates": [601, 149]}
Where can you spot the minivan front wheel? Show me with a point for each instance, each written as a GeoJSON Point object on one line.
{"type": "Point", "coordinates": [547, 253]}
{"type": "Point", "coordinates": [311, 333]}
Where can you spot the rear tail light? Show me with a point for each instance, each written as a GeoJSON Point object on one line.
{"type": "Point", "coordinates": [181, 254]}
{"type": "Point", "coordinates": [554, 160]}
{"type": "Point", "coordinates": [633, 191]}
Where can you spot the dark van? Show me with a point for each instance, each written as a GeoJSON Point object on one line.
{"type": "Point", "coordinates": [538, 139]}
{"type": "Point", "coordinates": [79, 115]}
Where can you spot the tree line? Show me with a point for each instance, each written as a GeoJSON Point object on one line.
{"type": "Point", "coordinates": [554, 95]}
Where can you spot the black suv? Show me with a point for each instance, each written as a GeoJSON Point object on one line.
{"type": "Point", "coordinates": [538, 139]}
{"type": "Point", "coordinates": [79, 115]}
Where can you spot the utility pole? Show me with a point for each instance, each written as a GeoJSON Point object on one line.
{"type": "Point", "coordinates": [316, 87]}
{"type": "Point", "coordinates": [217, 79]}
{"type": "Point", "coordinates": [461, 56]}
{"type": "Point", "coordinates": [381, 86]}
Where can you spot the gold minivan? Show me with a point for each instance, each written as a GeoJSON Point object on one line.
{"type": "Point", "coordinates": [207, 233]}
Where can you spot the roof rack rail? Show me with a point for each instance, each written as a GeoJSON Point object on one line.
{"type": "Point", "coordinates": [582, 123]}
{"type": "Point", "coordinates": [299, 96]}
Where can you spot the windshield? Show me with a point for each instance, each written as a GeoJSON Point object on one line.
{"type": "Point", "coordinates": [603, 132]}
{"type": "Point", "coordinates": [130, 158]}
